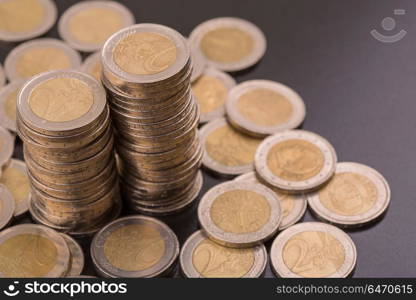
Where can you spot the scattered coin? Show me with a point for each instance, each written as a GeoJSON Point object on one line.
{"type": "Point", "coordinates": [211, 91]}
{"type": "Point", "coordinates": [229, 44]}
{"type": "Point", "coordinates": [7, 206]}
{"type": "Point", "coordinates": [295, 160]}
{"type": "Point", "coordinates": [134, 246]}
{"type": "Point", "coordinates": [92, 65]}
{"type": "Point", "coordinates": [293, 205]}
{"type": "Point", "coordinates": [25, 19]}
{"type": "Point", "coordinates": [86, 26]}
{"type": "Point", "coordinates": [38, 56]}
{"type": "Point", "coordinates": [8, 99]}
{"type": "Point", "coordinates": [356, 195]}
{"type": "Point", "coordinates": [2, 76]}
{"type": "Point", "coordinates": [32, 251]}
{"type": "Point", "coordinates": [76, 264]}
{"type": "Point", "coordinates": [228, 152]}
{"type": "Point", "coordinates": [263, 107]}
{"type": "Point", "coordinates": [240, 214]}
{"type": "Point", "coordinates": [198, 62]}
{"type": "Point", "coordinates": [6, 146]}
{"type": "Point", "coordinates": [313, 250]}
{"type": "Point", "coordinates": [14, 178]}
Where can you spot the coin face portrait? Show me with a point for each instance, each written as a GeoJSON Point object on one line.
{"type": "Point", "coordinates": [145, 53]}
{"type": "Point", "coordinates": [134, 247]}
{"type": "Point", "coordinates": [210, 93]}
{"type": "Point", "coordinates": [313, 254]}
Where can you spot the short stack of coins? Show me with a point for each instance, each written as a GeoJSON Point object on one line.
{"type": "Point", "coordinates": [64, 122]}
{"type": "Point", "coordinates": [146, 72]}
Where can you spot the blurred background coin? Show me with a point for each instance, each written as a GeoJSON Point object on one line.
{"type": "Point", "coordinates": [92, 65]}
{"type": "Point", "coordinates": [7, 206]}
{"type": "Point", "coordinates": [2, 76]}
{"type": "Point", "coordinates": [8, 100]}
{"type": "Point", "coordinates": [6, 146]}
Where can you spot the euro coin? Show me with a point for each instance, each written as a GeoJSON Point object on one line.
{"type": "Point", "coordinates": [92, 66]}
{"type": "Point", "coordinates": [198, 63]}
{"type": "Point", "coordinates": [7, 206]}
{"type": "Point", "coordinates": [313, 249]}
{"type": "Point", "coordinates": [6, 146]}
{"type": "Point", "coordinates": [8, 100]}
{"type": "Point", "coordinates": [76, 264]}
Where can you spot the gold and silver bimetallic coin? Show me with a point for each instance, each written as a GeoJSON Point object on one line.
{"type": "Point", "coordinates": [295, 161]}
{"type": "Point", "coordinates": [211, 92]}
{"type": "Point", "coordinates": [8, 100]}
{"type": "Point", "coordinates": [29, 251]}
{"type": "Point", "coordinates": [2, 76]}
{"type": "Point", "coordinates": [6, 146]}
{"type": "Point", "coordinates": [356, 195]}
{"type": "Point", "coordinates": [262, 107]}
{"type": "Point", "coordinates": [38, 56]}
{"type": "Point", "coordinates": [25, 19]}
{"type": "Point", "coordinates": [92, 65]}
{"type": "Point", "coordinates": [134, 246]}
{"type": "Point", "coordinates": [227, 151]}
{"type": "Point", "coordinates": [313, 250]}
{"type": "Point", "coordinates": [76, 264]}
{"type": "Point", "coordinates": [240, 214]}
{"type": "Point", "coordinates": [86, 26]}
{"type": "Point", "coordinates": [198, 62]}
{"type": "Point", "coordinates": [293, 205]}
{"type": "Point", "coordinates": [7, 206]}
{"type": "Point", "coordinates": [229, 44]}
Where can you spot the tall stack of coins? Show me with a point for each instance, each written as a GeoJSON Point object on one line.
{"type": "Point", "coordinates": [64, 121]}
{"type": "Point", "coordinates": [146, 71]}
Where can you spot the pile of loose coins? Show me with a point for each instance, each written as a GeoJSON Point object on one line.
{"type": "Point", "coordinates": [160, 87]}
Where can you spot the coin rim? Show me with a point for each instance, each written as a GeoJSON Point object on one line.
{"type": "Point", "coordinates": [77, 256]}
{"type": "Point", "coordinates": [7, 206]}
{"type": "Point", "coordinates": [5, 120]}
{"type": "Point", "coordinates": [7, 147]}
{"type": "Point", "coordinates": [2, 76]}
{"type": "Point", "coordinates": [90, 61]}
{"type": "Point", "coordinates": [199, 63]}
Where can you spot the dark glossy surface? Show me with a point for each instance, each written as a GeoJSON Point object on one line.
{"type": "Point", "coordinates": [360, 94]}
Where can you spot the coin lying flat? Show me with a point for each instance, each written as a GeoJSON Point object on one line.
{"type": "Point", "coordinates": [29, 251]}
{"type": "Point", "coordinates": [25, 19]}
{"type": "Point", "coordinates": [263, 107]}
{"type": "Point", "coordinates": [240, 214]}
{"type": "Point", "coordinates": [198, 62]}
{"type": "Point", "coordinates": [134, 246]}
{"type": "Point", "coordinates": [92, 65]}
{"type": "Point", "coordinates": [2, 77]}
{"type": "Point", "coordinates": [8, 99]}
{"type": "Point", "coordinates": [229, 44]}
{"type": "Point", "coordinates": [14, 177]}
{"type": "Point", "coordinates": [295, 160]}
{"type": "Point", "coordinates": [77, 257]}
{"type": "Point", "coordinates": [7, 206]}
{"type": "Point", "coordinates": [228, 152]}
{"type": "Point", "coordinates": [211, 91]}
{"type": "Point", "coordinates": [293, 205]}
{"type": "Point", "coordinates": [202, 258]}
{"type": "Point", "coordinates": [356, 195]}
{"type": "Point", "coordinates": [85, 26]}
{"type": "Point", "coordinates": [6, 146]}
{"type": "Point", "coordinates": [313, 250]}
{"type": "Point", "coordinates": [38, 56]}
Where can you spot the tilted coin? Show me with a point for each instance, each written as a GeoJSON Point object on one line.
{"type": "Point", "coordinates": [356, 195]}
{"type": "Point", "coordinates": [295, 160]}
{"type": "Point", "coordinates": [76, 264]}
{"type": "Point", "coordinates": [293, 205]}
{"type": "Point", "coordinates": [92, 65]}
{"type": "Point", "coordinates": [30, 251]}
{"type": "Point", "coordinates": [228, 152]}
{"type": "Point", "coordinates": [25, 19]}
{"type": "Point", "coordinates": [202, 258]}
{"type": "Point", "coordinates": [198, 62]}
{"type": "Point", "coordinates": [263, 107]}
{"type": "Point", "coordinates": [6, 146]}
{"type": "Point", "coordinates": [229, 44]}
{"type": "Point", "coordinates": [85, 26]}
{"type": "Point", "coordinates": [14, 177]}
{"type": "Point", "coordinates": [2, 77]}
{"type": "Point", "coordinates": [8, 99]}
{"type": "Point", "coordinates": [240, 214]}
{"type": "Point", "coordinates": [7, 206]}
{"type": "Point", "coordinates": [134, 246]}
{"type": "Point", "coordinates": [211, 92]}
{"type": "Point", "coordinates": [38, 56]}
{"type": "Point", "coordinates": [313, 249]}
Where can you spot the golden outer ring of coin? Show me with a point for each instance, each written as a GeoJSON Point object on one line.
{"type": "Point", "coordinates": [2, 76]}
{"type": "Point", "coordinates": [232, 240]}
{"type": "Point", "coordinates": [63, 258]}
{"type": "Point", "coordinates": [198, 62]}
{"type": "Point", "coordinates": [382, 202]}
{"type": "Point", "coordinates": [228, 82]}
{"type": "Point", "coordinates": [7, 205]}
{"type": "Point", "coordinates": [104, 267]}
{"type": "Point", "coordinates": [35, 122]}
{"type": "Point", "coordinates": [15, 54]}
{"type": "Point", "coordinates": [65, 34]}
{"type": "Point", "coordinates": [77, 256]}
{"type": "Point", "coordinates": [48, 21]}
{"type": "Point", "coordinates": [259, 42]}
{"type": "Point", "coordinates": [90, 62]}
{"type": "Point", "coordinates": [113, 70]}
{"type": "Point", "coordinates": [235, 117]}
{"type": "Point", "coordinates": [276, 251]}
{"type": "Point", "coordinates": [300, 203]}
{"type": "Point", "coordinates": [7, 146]}
{"type": "Point", "coordinates": [5, 120]}
{"type": "Point", "coordinates": [188, 269]}
{"type": "Point", "coordinates": [328, 170]}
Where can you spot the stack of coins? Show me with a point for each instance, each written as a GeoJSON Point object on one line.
{"type": "Point", "coordinates": [64, 122]}
{"type": "Point", "coordinates": [146, 71]}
